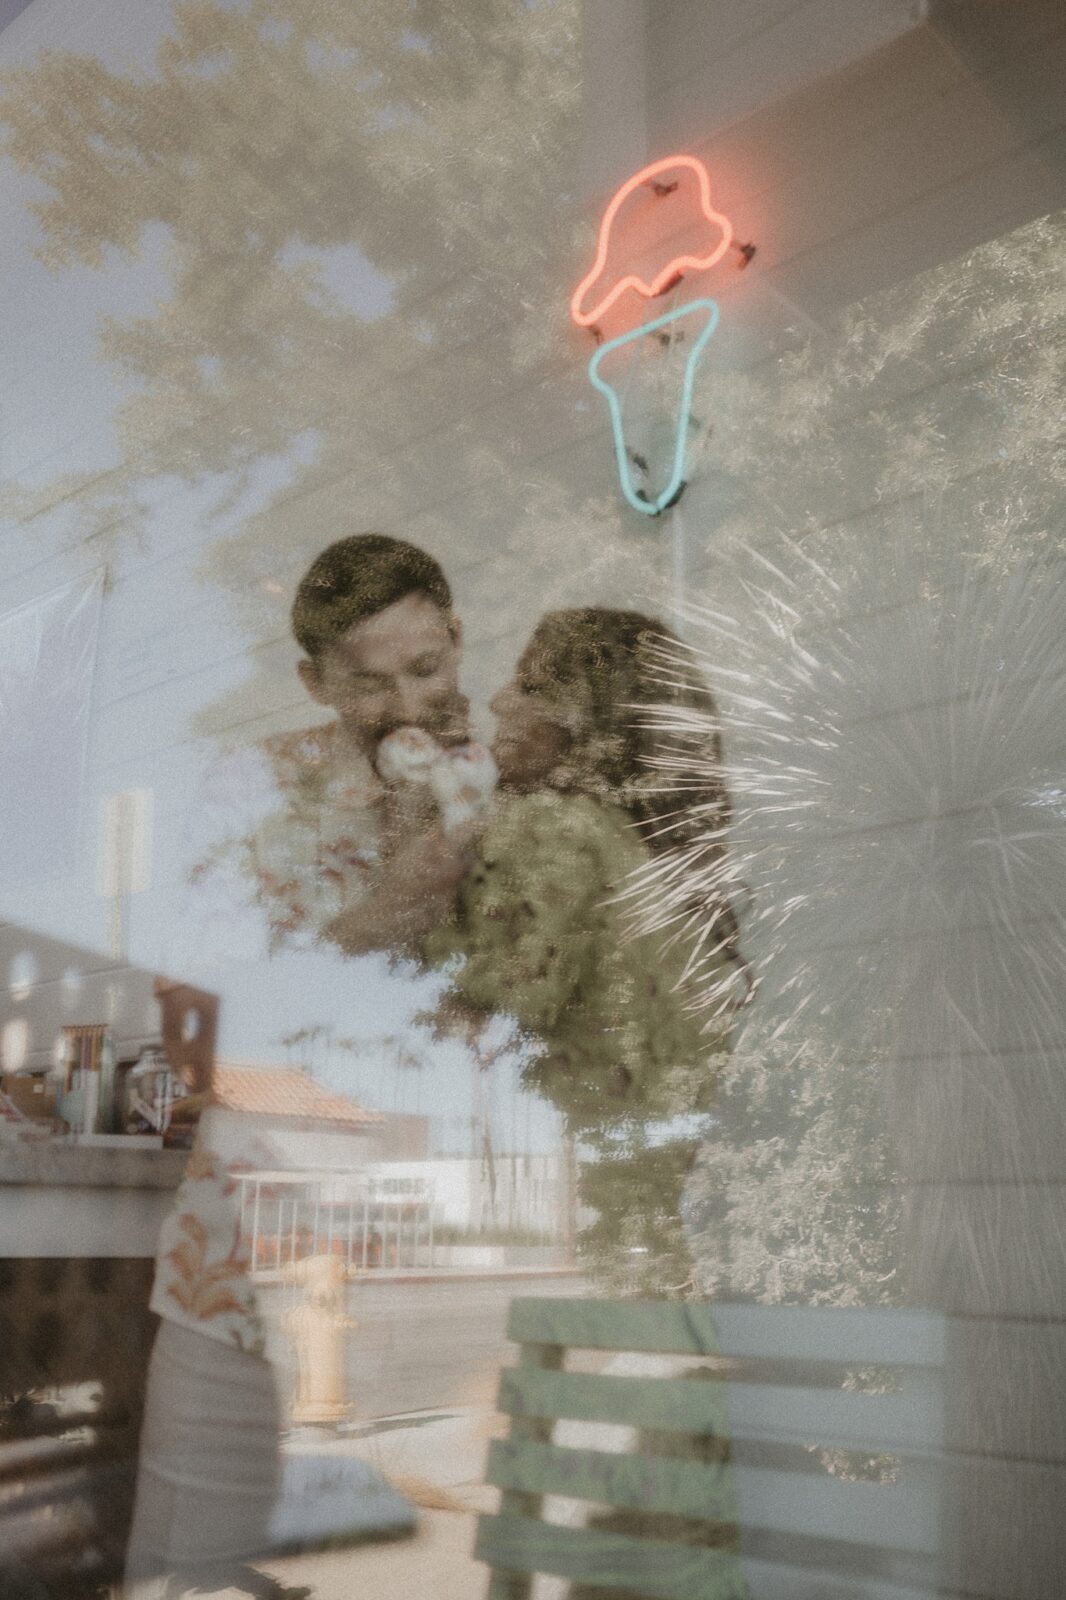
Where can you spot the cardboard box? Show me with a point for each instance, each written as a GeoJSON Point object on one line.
{"type": "Point", "coordinates": [31, 1093]}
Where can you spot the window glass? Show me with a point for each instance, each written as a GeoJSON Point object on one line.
{"type": "Point", "coordinates": [530, 769]}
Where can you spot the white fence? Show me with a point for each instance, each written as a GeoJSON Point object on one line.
{"type": "Point", "coordinates": [369, 1223]}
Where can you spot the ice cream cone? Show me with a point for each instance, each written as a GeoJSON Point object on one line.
{"type": "Point", "coordinates": [651, 505]}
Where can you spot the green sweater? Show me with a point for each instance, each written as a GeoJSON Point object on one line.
{"type": "Point", "coordinates": [538, 938]}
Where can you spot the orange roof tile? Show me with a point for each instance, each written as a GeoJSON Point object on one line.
{"type": "Point", "coordinates": [285, 1092]}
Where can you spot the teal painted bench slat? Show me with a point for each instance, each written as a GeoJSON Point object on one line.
{"type": "Point", "coordinates": [643, 1482]}
{"type": "Point", "coordinates": [650, 1568]}
{"type": "Point", "coordinates": [900, 1422]}
{"type": "Point", "coordinates": [896, 1337]}
{"type": "Point", "coordinates": [639, 1402]}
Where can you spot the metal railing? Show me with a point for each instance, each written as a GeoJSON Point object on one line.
{"type": "Point", "coordinates": [370, 1224]}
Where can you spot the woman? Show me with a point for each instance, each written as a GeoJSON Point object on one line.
{"type": "Point", "coordinates": [541, 934]}
{"type": "Point", "coordinates": [209, 1468]}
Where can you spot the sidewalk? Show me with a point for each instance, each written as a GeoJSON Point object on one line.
{"type": "Point", "coordinates": [437, 1564]}
{"type": "Point", "coordinates": [438, 1459]}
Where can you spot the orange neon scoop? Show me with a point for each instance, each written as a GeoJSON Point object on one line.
{"type": "Point", "coordinates": [597, 285]}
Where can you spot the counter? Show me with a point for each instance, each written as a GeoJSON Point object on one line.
{"type": "Point", "coordinates": [67, 1200]}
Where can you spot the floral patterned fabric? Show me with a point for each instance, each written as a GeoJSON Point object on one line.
{"type": "Point", "coordinates": [202, 1266]}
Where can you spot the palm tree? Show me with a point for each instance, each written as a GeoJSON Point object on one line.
{"type": "Point", "coordinates": [309, 1037]}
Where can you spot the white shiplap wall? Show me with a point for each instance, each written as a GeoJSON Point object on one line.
{"type": "Point", "coordinates": [861, 147]}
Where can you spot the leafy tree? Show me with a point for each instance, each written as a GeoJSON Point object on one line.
{"type": "Point", "coordinates": [791, 1197]}
{"type": "Point", "coordinates": [286, 150]}
{"type": "Point", "coordinates": [305, 1041]}
{"type": "Point", "coordinates": [636, 1242]}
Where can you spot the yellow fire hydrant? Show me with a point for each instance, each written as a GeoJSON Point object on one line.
{"type": "Point", "coordinates": [317, 1329]}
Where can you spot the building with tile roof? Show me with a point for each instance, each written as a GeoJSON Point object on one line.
{"type": "Point", "coordinates": [287, 1093]}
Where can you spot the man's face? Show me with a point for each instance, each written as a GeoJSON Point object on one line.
{"type": "Point", "coordinates": [396, 669]}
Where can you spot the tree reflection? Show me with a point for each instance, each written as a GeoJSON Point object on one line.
{"type": "Point", "coordinates": [368, 220]}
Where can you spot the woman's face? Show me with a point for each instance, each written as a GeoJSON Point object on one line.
{"type": "Point", "coordinates": [529, 741]}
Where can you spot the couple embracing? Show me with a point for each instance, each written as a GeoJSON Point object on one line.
{"type": "Point", "coordinates": [505, 867]}
{"type": "Point", "coordinates": [387, 829]}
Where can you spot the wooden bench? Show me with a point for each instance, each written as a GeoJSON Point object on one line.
{"type": "Point", "coordinates": [805, 1533]}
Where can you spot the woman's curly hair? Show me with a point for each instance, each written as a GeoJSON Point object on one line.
{"type": "Point", "coordinates": [644, 735]}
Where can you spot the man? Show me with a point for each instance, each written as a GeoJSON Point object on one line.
{"type": "Point", "coordinates": [382, 644]}
{"type": "Point", "coordinates": [306, 833]}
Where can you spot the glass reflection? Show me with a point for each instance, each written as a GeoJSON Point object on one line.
{"type": "Point", "coordinates": [283, 273]}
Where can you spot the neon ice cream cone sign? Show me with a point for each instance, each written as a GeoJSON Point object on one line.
{"type": "Point", "coordinates": [609, 282]}
{"type": "Point", "coordinates": [668, 494]}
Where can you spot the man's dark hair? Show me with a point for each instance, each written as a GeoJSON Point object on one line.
{"type": "Point", "coordinates": [356, 578]}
